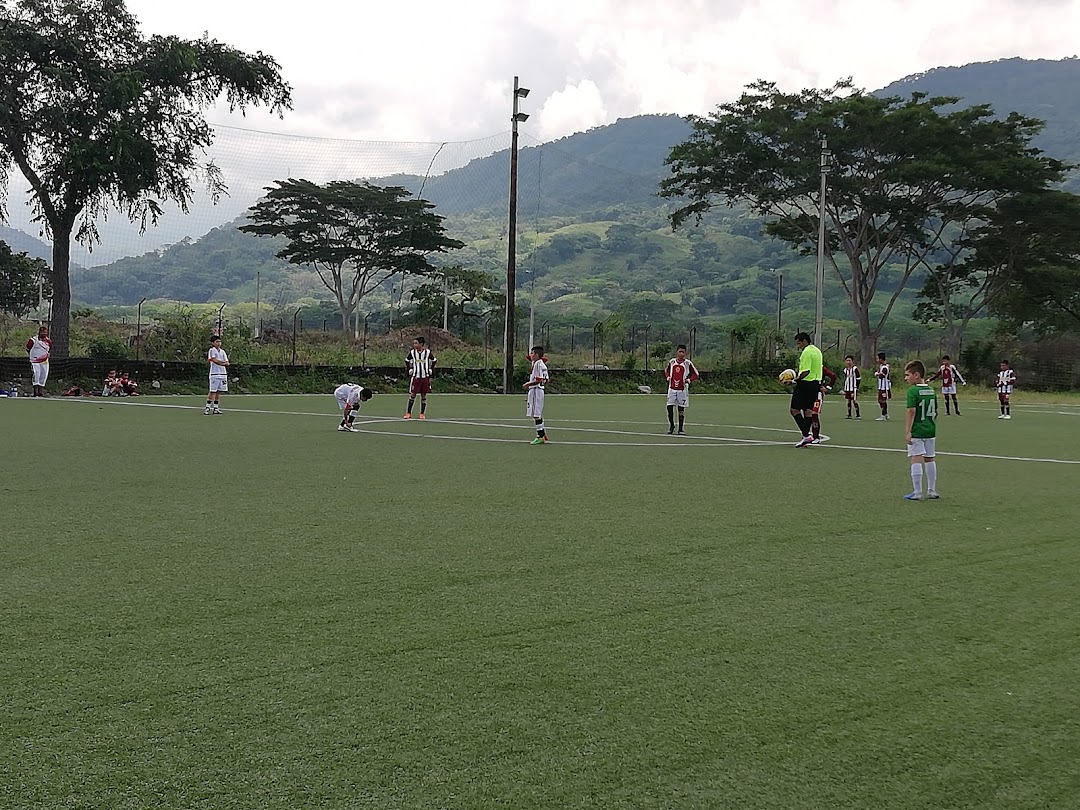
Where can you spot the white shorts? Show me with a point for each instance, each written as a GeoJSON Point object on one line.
{"type": "Point", "coordinates": [41, 373]}
{"type": "Point", "coordinates": [535, 406]}
{"type": "Point", "coordinates": [341, 403]}
{"type": "Point", "coordinates": [948, 389]}
{"type": "Point", "coordinates": [219, 383]}
{"type": "Point", "coordinates": [921, 447]}
{"type": "Point", "coordinates": [680, 398]}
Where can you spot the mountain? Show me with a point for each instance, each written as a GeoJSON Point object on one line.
{"type": "Point", "coordinates": [21, 242]}
{"type": "Point", "coordinates": [593, 235]}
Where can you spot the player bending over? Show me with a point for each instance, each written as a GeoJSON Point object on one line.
{"type": "Point", "coordinates": [349, 397]}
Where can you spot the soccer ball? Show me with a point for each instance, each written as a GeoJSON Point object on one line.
{"type": "Point", "coordinates": [787, 375]}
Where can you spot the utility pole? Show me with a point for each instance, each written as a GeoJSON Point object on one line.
{"type": "Point", "coordinates": [511, 243]}
{"type": "Point", "coordinates": [826, 160]}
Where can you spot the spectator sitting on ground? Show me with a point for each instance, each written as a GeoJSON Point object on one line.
{"type": "Point", "coordinates": [112, 387]}
{"type": "Point", "coordinates": [128, 386]}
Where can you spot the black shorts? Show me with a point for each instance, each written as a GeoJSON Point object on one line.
{"type": "Point", "coordinates": [805, 395]}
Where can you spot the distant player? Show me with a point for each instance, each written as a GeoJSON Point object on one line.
{"type": "Point", "coordinates": [949, 376]}
{"type": "Point", "coordinates": [828, 380]}
{"type": "Point", "coordinates": [349, 397]}
{"type": "Point", "coordinates": [921, 428]}
{"type": "Point", "coordinates": [1006, 379]}
{"type": "Point", "coordinates": [884, 386]}
{"type": "Point", "coordinates": [852, 380]}
{"type": "Point", "coordinates": [538, 378]}
{"type": "Point", "coordinates": [421, 363]}
{"type": "Point", "coordinates": [679, 372]}
{"type": "Point", "coordinates": [219, 375]}
{"type": "Point", "coordinates": [38, 348]}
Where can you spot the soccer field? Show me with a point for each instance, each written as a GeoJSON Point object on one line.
{"type": "Point", "coordinates": [254, 610]}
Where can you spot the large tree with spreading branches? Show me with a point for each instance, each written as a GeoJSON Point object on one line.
{"type": "Point", "coordinates": [904, 172]}
{"type": "Point", "coordinates": [97, 116]}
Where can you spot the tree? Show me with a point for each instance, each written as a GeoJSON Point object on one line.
{"type": "Point", "coordinates": [1033, 255]}
{"type": "Point", "coordinates": [23, 281]}
{"type": "Point", "coordinates": [463, 287]}
{"type": "Point", "coordinates": [96, 116]}
{"type": "Point", "coordinates": [904, 171]}
{"type": "Point", "coordinates": [354, 235]}
{"type": "Point", "coordinates": [1011, 261]}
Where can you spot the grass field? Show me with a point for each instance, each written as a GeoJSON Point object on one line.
{"type": "Point", "coordinates": [255, 611]}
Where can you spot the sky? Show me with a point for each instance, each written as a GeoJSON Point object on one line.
{"type": "Point", "coordinates": [427, 70]}
{"type": "Point", "coordinates": [424, 86]}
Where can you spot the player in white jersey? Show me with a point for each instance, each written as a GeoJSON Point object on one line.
{"type": "Point", "coordinates": [420, 363]}
{"type": "Point", "coordinates": [349, 397]}
{"type": "Point", "coordinates": [219, 375]}
{"type": "Point", "coordinates": [884, 387]}
{"type": "Point", "coordinates": [680, 372]}
{"type": "Point", "coordinates": [852, 379]}
{"type": "Point", "coordinates": [949, 376]}
{"type": "Point", "coordinates": [1006, 379]}
{"type": "Point", "coordinates": [538, 378]}
{"type": "Point", "coordinates": [38, 348]}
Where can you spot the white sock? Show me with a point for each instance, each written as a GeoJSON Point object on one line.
{"type": "Point", "coordinates": [916, 478]}
{"type": "Point", "coordinates": [931, 475]}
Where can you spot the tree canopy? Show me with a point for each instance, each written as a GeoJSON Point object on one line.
{"type": "Point", "coordinates": [354, 235]}
{"type": "Point", "coordinates": [95, 116]}
{"type": "Point", "coordinates": [23, 281]}
{"type": "Point", "coordinates": [903, 171]}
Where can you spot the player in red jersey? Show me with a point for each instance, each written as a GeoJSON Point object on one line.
{"type": "Point", "coordinates": [680, 372]}
{"type": "Point", "coordinates": [949, 376]}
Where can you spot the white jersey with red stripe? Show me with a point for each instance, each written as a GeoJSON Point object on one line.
{"type": "Point", "coordinates": [1005, 381]}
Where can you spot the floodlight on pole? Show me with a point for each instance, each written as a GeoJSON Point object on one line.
{"type": "Point", "coordinates": [516, 117]}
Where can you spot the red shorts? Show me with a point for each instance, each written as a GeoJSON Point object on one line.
{"type": "Point", "coordinates": [1003, 399]}
{"type": "Point", "coordinates": [884, 396]}
{"type": "Point", "coordinates": [850, 395]}
{"type": "Point", "coordinates": [420, 385]}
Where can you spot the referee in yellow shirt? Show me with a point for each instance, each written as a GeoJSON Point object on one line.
{"type": "Point", "coordinates": [807, 386]}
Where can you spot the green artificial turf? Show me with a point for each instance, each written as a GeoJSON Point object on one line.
{"type": "Point", "coordinates": [255, 611]}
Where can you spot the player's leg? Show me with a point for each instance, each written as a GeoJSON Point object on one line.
{"type": "Point", "coordinates": [1002, 399]}
{"type": "Point", "coordinates": [425, 389]}
{"type": "Point", "coordinates": [931, 476]}
{"type": "Point", "coordinates": [1008, 407]}
{"type": "Point", "coordinates": [412, 398]}
{"type": "Point", "coordinates": [955, 405]}
{"type": "Point", "coordinates": [671, 417]}
{"type": "Point", "coordinates": [855, 402]}
{"type": "Point", "coordinates": [682, 420]}
{"type": "Point", "coordinates": [916, 460]}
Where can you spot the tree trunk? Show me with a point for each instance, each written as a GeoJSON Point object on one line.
{"type": "Point", "coordinates": [60, 328]}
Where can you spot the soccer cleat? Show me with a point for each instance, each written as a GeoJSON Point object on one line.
{"type": "Point", "coordinates": [913, 496]}
{"type": "Point", "coordinates": [217, 411]}
{"type": "Point", "coordinates": [805, 441]}
{"type": "Point", "coordinates": [848, 416]}
{"type": "Point", "coordinates": [1002, 416]}
{"type": "Point", "coordinates": [933, 495]}
{"type": "Point", "coordinates": [343, 428]}
{"type": "Point", "coordinates": [423, 416]}
{"type": "Point", "coordinates": [671, 430]}
{"type": "Point", "coordinates": [407, 416]}
{"type": "Point", "coordinates": [206, 411]}
{"type": "Point", "coordinates": [682, 432]}
{"type": "Point", "coordinates": [881, 419]}
{"type": "Point", "coordinates": [858, 418]}
{"type": "Point", "coordinates": [539, 440]}
{"type": "Point", "coordinates": [821, 438]}
{"type": "Point", "coordinates": [1008, 416]}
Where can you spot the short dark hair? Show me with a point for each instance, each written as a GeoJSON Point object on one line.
{"type": "Point", "coordinates": [419, 339]}
{"type": "Point", "coordinates": [1005, 362]}
{"type": "Point", "coordinates": [849, 357]}
{"type": "Point", "coordinates": [881, 355]}
{"type": "Point", "coordinates": [366, 394]}
{"type": "Point", "coordinates": [945, 357]}
{"type": "Point", "coordinates": [681, 346]}
{"type": "Point", "coordinates": [803, 336]}
{"type": "Point", "coordinates": [537, 349]}
{"type": "Point", "coordinates": [917, 367]}
{"type": "Point", "coordinates": [215, 337]}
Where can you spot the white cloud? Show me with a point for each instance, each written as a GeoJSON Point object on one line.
{"type": "Point", "coordinates": [575, 108]}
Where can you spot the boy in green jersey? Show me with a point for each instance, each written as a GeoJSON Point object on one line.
{"type": "Point", "coordinates": [921, 431]}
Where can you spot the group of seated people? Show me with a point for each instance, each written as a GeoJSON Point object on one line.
{"type": "Point", "coordinates": [122, 386]}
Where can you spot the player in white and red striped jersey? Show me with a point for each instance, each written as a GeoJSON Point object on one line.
{"type": "Point", "coordinates": [421, 364]}
{"type": "Point", "coordinates": [884, 387]}
{"type": "Point", "coordinates": [680, 372]}
{"type": "Point", "coordinates": [949, 376]}
{"type": "Point", "coordinates": [1006, 379]}
{"type": "Point", "coordinates": [852, 380]}
{"type": "Point", "coordinates": [828, 380]}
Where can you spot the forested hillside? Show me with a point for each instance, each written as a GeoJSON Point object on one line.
{"type": "Point", "coordinates": [594, 240]}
